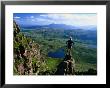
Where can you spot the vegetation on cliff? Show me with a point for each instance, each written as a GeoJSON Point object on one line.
{"type": "Point", "coordinates": [28, 59]}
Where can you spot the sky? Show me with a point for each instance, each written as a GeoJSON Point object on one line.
{"type": "Point", "coordinates": [74, 19]}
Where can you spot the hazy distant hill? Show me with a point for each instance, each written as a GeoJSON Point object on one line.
{"type": "Point", "coordinates": [59, 26]}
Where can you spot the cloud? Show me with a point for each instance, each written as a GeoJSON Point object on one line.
{"type": "Point", "coordinates": [16, 17]}
{"type": "Point", "coordinates": [73, 19]}
{"type": "Point", "coordinates": [43, 15]}
{"type": "Point", "coordinates": [31, 16]}
{"type": "Point", "coordinates": [41, 21]}
{"type": "Point", "coordinates": [33, 20]}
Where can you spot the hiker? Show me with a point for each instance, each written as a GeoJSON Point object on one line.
{"type": "Point", "coordinates": [69, 43]}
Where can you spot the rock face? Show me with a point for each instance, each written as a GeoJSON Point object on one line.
{"type": "Point", "coordinates": [27, 57]}
{"type": "Point", "coordinates": [67, 67]}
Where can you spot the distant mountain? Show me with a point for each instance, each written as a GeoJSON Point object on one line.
{"type": "Point", "coordinates": [59, 26]}
{"type": "Point", "coordinates": [30, 26]}
{"type": "Point", "coordinates": [89, 27]}
{"type": "Point", "coordinates": [62, 26]}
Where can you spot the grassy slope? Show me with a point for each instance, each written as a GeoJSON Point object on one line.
{"type": "Point", "coordinates": [52, 64]}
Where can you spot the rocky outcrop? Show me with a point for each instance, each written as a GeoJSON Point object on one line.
{"type": "Point", "coordinates": [27, 56]}
{"type": "Point", "coordinates": [67, 66]}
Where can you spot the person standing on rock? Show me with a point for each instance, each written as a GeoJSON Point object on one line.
{"type": "Point", "coordinates": [70, 44]}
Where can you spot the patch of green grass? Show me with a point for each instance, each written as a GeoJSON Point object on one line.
{"type": "Point", "coordinates": [52, 63]}
{"type": "Point", "coordinates": [81, 67]}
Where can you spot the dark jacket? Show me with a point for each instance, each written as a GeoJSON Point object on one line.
{"type": "Point", "coordinates": [70, 43]}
